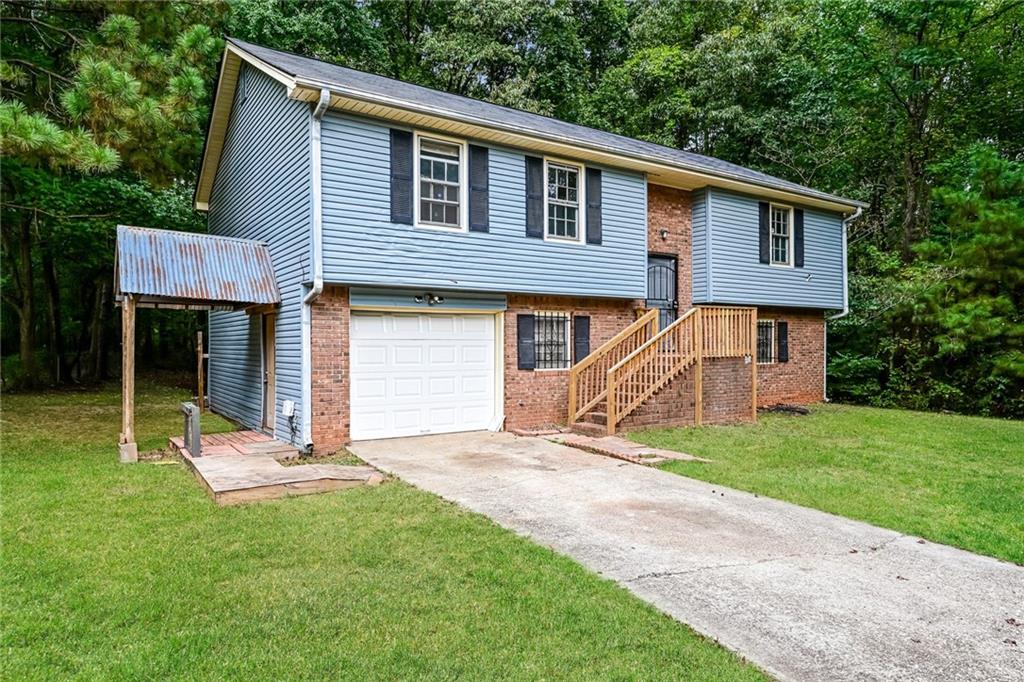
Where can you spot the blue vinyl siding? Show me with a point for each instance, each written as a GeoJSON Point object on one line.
{"type": "Point", "coordinates": [735, 275]}
{"type": "Point", "coordinates": [262, 191]}
{"type": "Point", "coordinates": [698, 221]}
{"type": "Point", "coordinates": [363, 246]}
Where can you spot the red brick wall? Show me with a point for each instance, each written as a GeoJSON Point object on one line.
{"type": "Point", "coordinates": [669, 209]}
{"type": "Point", "coordinates": [536, 398]}
{"type": "Point", "coordinates": [330, 356]}
{"type": "Point", "coordinates": [802, 379]}
{"type": "Point", "coordinates": [727, 397]}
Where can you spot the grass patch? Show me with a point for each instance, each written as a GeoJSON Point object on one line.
{"type": "Point", "coordinates": [115, 571]}
{"type": "Point", "coordinates": [948, 478]}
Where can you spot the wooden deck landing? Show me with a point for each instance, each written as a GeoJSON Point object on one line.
{"type": "Point", "coordinates": [243, 466]}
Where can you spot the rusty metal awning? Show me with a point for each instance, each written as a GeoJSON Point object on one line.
{"type": "Point", "coordinates": [169, 269]}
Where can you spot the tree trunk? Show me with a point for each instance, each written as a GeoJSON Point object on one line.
{"type": "Point", "coordinates": [56, 340]}
{"type": "Point", "coordinates": [26, 312]}
{"type": "Point", "coordinates": [98, 331]}
{"type": "Point", "coordinates": [915, 206]}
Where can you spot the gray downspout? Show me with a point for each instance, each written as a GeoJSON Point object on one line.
{"type": "Point", "coordinates": [316, 193]}
{"type": "Point", "coordinates": [846, 302]}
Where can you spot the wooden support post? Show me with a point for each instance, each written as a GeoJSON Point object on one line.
{"type": "Point", "coordinates": [200, 396]}
{"type": "Point", "coordinates": [698, 375]}
{"type": "Point", "coordinates": [612, 416]}
{"type": "Point", "coordinates": [127, 448]}
{"type": "Point", "coordinates": [573, 378]}
{"type": "Point", "coordinates": [753, 363]}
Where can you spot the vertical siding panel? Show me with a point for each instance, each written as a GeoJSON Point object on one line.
{"type": "Point", "coordinates": [699, 245]}
{"type": "Point", "coordinates": [262, 191]}
{"type": "Point", "coordinates": [363, 246]}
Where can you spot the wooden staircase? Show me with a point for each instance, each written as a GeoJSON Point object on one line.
{"type": "Point", "coordinates": [622, 374]}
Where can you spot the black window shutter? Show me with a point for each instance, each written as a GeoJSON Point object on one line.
{"type": "Point", "coordinates": [401, 176]}
{"type": "Point", "coordinates": [762, 232]}
{"type": "Point", "coordinates": [580, 337]}
{"type": "Point", "coordinates": [525, 342]}
{"type": "Point", "coordinates": [593, 206]}
{"type": "Point", "coordinates": [798, 237]}
{"type": "Point", "coordinates": [782, 336]}
{"type": "Point", "coordinates": [479, 191]}
{"type": "Point", "coordinates": [534, 197]}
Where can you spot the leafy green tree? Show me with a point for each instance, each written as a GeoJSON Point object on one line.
{"type": "Point", "coordinates": [89, 91]}
{"type": "Point", "coordinates": [979, 313]}
{"type": "Point", "coordinates": [338, 31]}
{"type": "Point", "coordinates": [928, 77]}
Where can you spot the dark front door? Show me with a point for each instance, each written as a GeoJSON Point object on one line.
{"type": "Point", "coordinates": [661, 288]}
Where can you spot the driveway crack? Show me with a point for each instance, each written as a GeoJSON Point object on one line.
{"type": "Point", "coordinates": [740, 564]}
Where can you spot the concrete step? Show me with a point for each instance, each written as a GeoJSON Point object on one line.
{"type": "Point", "coordinates": [590, 429]}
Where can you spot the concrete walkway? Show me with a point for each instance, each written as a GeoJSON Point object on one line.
{"type": "Point", "coordinates": [803, 594]}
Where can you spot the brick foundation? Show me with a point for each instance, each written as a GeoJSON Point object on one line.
{"type": "Point", "coordinates": [330, 356]}
{"type": "Point", "coordinates": [727, 399]}
{"type": "Point", "coordinates": [802, 379]}
{"type": "Point", "coordinates": [535, 398]}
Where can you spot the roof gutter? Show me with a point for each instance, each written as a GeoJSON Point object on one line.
{"type": "Point", "coordinates": [317, 257]}
{"type": "Point", "coordinates": [846, 275]}
{"type": "Point", "coordinates": [846, 305]}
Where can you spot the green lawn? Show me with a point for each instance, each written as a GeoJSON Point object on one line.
{"type": "Point", "coordinates": [951, 479]}
{"type": "Point", "coordinates": [130, 571]}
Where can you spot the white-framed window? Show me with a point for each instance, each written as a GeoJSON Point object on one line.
{"type": "Point", "coordinates": [781, 231]}
{"type": "Point", "coordinates": [441, 182]}
{"type": "Point", "coordinates": [563, 201]}
{"type": "Point", "coordinates": [551, 336]}
{"type": "Point", "coordinates": [765, 342]}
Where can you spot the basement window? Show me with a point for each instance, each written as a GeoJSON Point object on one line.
{"type": "Point", "coordinates": [551, 340]}
{"type": "Point", "coordinates": [765, 342]}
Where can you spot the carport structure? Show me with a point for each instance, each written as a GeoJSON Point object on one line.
{"type": "Point", "coordinates": [156, 268]}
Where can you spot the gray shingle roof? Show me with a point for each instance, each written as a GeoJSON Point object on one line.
{"type": "Point", "coordinates": [459, 107]}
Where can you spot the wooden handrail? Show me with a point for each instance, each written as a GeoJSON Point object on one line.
{"type": "Point", "coordinates": [647, 369]}
{"type": "Point", "coordinates": [702, 332]}
{"type": "Point", "coordinates": [689, 313]}
{"type": "Point", "coordinates": [588, 378]}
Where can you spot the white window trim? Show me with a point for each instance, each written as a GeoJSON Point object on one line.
{"type": "Point", "coordinates": [568, 337]}
{"type": "Point", "coordinates": [463, 183]}
{"type": "Point", "coordinates": [773, 348]}
{"type": "Point", "coordinates": [789, 240]}
{"type": "Point", "coordinates": [581, 198]}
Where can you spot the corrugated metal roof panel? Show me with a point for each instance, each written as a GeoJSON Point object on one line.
{"type": "Point", "coordinates": [185, 266]}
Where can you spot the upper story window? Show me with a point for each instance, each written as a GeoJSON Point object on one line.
{"type": "Point", "coordinates": [563, 202]}
{"type": "Point", "coordinates": [441, 199]}
{"type": "Point", "coordinates": [781, 235]}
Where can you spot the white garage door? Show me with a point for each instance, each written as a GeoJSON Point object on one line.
{"type": "Point", "coordinates": [414, 374]}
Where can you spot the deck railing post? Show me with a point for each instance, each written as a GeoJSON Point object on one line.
{"type": "Point", "coordinates": [753, 363]}
{"type": "Point", "coordinates": [698, 375]}
{"type": "Point", "coordinates": [612, 414]}
{"type": "Point", "coordinates": [573, 378]}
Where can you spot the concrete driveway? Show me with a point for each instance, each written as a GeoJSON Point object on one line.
{"type": "Point", "coordinates": [803, 594]}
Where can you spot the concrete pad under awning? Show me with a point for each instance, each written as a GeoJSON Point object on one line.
{"type": "Point", "coordinates": [803, 594]}
{"type": "Point", "coordinates": [244, 466]}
